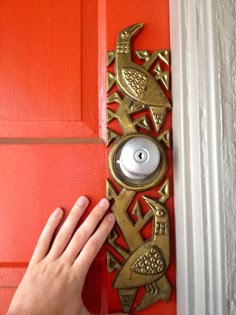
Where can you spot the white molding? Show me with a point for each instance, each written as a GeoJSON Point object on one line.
{"type": "Point", "coordinates": [197, 138]}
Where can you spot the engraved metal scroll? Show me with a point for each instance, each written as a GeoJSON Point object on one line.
{"type": "Point", "coordinates": [137, 107]}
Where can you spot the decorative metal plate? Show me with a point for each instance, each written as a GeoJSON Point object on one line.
{"type": "Point", "coordinates": [137, 106]}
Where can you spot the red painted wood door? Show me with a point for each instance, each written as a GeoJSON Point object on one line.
{"type": "Point", "coordinates": [52, 120]}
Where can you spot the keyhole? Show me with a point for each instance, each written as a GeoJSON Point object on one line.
{"type": "Point", "coordinates": [141, 155]}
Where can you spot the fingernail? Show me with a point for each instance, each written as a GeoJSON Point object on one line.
{"type": "Point", "coordinates": [111, 217]}
{"type": "Point", "coordinates": [57, 212]}
{"type": "Point", "coordinates": [82, 201]}
{"type": "Point", "coordinates": [104, 203]}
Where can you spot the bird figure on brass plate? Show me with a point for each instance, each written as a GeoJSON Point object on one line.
{"type": "Point", "coordinates": [134, 80]}
{"type": "Point", "coordinates": [147, 265]}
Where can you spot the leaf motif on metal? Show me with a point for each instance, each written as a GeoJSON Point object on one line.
{"type": "Point", "coordinates": [137, 108]}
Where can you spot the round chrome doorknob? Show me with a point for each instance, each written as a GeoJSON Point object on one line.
{"type": "Point", "coordinates": [137, 162]}
{"type": "Point", "coordinates": [139, 158]}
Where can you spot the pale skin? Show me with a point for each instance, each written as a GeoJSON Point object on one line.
{"type": "Point", "coordinates": [54, 280]}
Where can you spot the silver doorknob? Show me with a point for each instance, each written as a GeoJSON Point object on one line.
{"type": "Point", "coordinates": [139, 158]}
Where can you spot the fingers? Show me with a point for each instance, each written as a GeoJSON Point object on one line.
{"type": "Point", "coordinates": [46, 236]}
{"type": "Point", "coordinates": [68, 245]}
{"type": "Point", "coordinates": [84, 232]}
{"type": "Point", "coordinates": [94, 244]}
{"type": "Point", "coordinates": [64, 235]}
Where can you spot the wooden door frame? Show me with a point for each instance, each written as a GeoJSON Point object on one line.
{"type": "Point", "coordinates": [197, 141]}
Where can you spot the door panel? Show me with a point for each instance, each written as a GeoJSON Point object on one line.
{"type": "Point", "coordinates": [45, 71]}
{"type": "Point", "coordinates": [52, 122]}
{"type": "Point", "coordinates": [37, 178]}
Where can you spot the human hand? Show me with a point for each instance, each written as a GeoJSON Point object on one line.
{"type": "Point", "coordinates": [54, 280]}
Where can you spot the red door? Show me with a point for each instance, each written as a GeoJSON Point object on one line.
{"type": "Point", "coordinates": [52, 122]}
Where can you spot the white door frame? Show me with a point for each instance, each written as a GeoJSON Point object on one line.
{"type": "Point", "coordinates": [197, 138]}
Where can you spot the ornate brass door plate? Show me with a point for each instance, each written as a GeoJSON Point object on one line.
{"type": "Point", "coordinates": [137, 106]}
